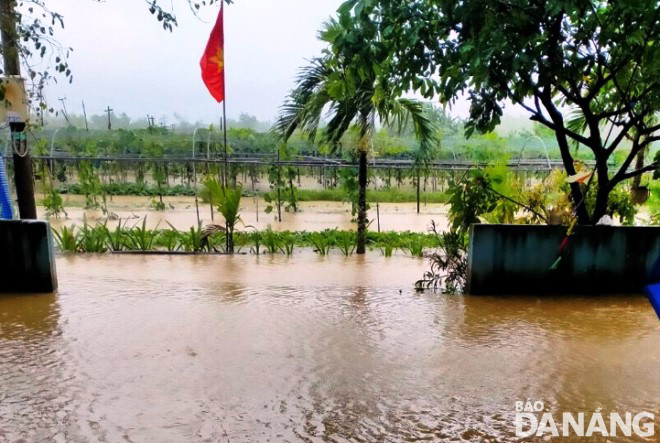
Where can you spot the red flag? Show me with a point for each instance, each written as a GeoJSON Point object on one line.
{"type": "Point", "coordinates": [213, 60]}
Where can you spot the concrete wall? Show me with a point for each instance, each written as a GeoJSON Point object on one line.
{"type": "Point", "coordinates": [516, 259]}
{"type": "Point", "coordinates": [27, 261]}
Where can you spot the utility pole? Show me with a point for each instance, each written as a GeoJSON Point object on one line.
{"type": "Point", "coordinates": [85, 115]}
{"type": "Point", "coordinates": [66, 116]}
{"type": "Point", "coordinates": [109, 111]}
{"type": "Point", "coordinates": [23, 175]}
{"type": "Point", "coordinates": [151, 121]}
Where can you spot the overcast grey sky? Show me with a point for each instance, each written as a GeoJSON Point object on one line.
{"type": "Point", "coordinates": [123, 58]}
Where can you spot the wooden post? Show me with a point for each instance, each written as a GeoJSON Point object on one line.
{"type": "Point", "coordinates": [85, 115]}
{"type": "Point", "coordinates": [378, 216]}
{"type": "Point", "coordinates": [66, 114]}
{"type": "Point", "coordinates": [23, 176]}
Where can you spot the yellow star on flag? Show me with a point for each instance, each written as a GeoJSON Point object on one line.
{"type": "Point", "coordinates": [219, 59]}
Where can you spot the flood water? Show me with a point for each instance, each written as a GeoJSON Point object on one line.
{"type": "Point", "coordinates": [313, 216]}
{"type": "Point", "coordinates": [307, 348]}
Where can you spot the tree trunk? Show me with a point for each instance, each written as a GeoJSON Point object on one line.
{"type": "Point", "coordinates": [293, 195]}
{"type": "Point", "coordinates": [579, 205]}
{"type": "Point", "coordinates": [362, 204]}
{"type": "Point", "coordinates": [603, 192]}
{"type": "Point", "coordinates": [23, 174]}
{"type": "Point", "coordinates": [639, 164]}
{"type": "Point", "coordinates": [602, 198]}
{"type": "Point", "coordinates": [418, 193]}
{"type": "Point", "coordinates": [230, 240]}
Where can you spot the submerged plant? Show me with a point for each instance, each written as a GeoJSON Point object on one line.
{"type": "Point", "coordinates": [388, 249]}
{"type": "Point", "coordinates": [416, 247]}
{"type": "Point", "coordinates": [93, 239]}
{"type": "Point", "coordinates": [449, 265]}
{"type": "Point", "coordinates": [288, 241]}
{"type": "Point", "coordinates": [229, 205]}
{"type": "Point", "coordinates": [116, 239]}
{"type": "Point", "coordinates": [53, 203]}
{"type": "Point", "coordinates": [141, 238]}
{"type": "Point", "coordinates": [256, 238]}
{"type": "Point", "coordinates": [271, 241]}
{"type": "Point", "coordinates": [346, 241]}
{"type": "Point", "coordinates": [68, 240]}
{"type": "Point", "coordinates": [170, 239]}
{"type": "Point", "coordinates": [321, 242]}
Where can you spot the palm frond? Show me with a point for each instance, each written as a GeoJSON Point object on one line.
{"type": "Point", "coordinates": [400, 113]}
{"type": "Point", "coordinates": [304, 105]}
{"type": "Point", "coordinates": [576, 123]}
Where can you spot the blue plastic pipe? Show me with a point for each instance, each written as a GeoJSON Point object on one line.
{"type": "Point", "coordinates": [653, 290]}
{"type": "Point", "coordinates": [5, 198]}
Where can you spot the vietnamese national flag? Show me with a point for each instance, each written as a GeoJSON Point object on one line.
{"type": "Point", "coordinates": [213, 60]}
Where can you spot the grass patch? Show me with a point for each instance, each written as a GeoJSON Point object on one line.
{"type": "Point", "coordinates": [136, 189]}
{"type": "Point", "coordinates": [392, 195]}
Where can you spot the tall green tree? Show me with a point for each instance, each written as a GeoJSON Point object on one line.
{"type": "Point", "coordinates": [344, 81]}
{"type": "Point", "coordinates": [551, 57]}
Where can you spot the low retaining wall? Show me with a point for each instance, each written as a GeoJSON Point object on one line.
{"type": "Point", "coordinates": [27, 261]}
{"type": "Point", "coordinates": [516, 259]}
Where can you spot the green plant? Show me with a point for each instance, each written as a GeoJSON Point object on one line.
{"type": "Point", "coordinates": [157, 205]}
{"type": "Point", "coordinates": [229, 204]}
{"type": "Point", "coordinates": [170, 239]}
{"type": "Point", "coordinates": [140, 189]}
{"type": "Point", "coordinates": [192, 239]}
{"type": "Point", "coordinates": [68, 240]}
{"type": "Point", "coordinates": [140, 238]}
{"type": "Point", "coordinates": [597, 60]}
{"type": "Point", "coordinates": [116, 239]}
{"type": "Point", "coordinates": [621, 205]}
{"type": "Point", "coordinates": [388, 249]}
{"type": "Point", "coordinates": [93, 239]}
{"type": "Point", "coordinates": [416, 247]}
{"type": "Point", "coordinates": [468, 201]}
{"type": "Point", "coordinates": [53, 203]}
{"type": "Point", "coordinates": [256, 239]}
{"type": "Point", "coordinates": [321, 242]}
{"type": "Point", "coordinates": [89, 182]}
{"type": "Point", "coordinates": [271, 241]}
{"type": "Point", "coordinates": [288, 241]}
{"type": "Point", "coordinates": [344, 83]}
{"type": "Point", "coordinates": [345, 241]}
{"type": "Point", "coordinates": [449, 265]}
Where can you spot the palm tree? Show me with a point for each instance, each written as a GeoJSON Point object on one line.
{"type": "Point", "coordinates": [344, 83]}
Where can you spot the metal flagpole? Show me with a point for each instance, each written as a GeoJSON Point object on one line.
{"type": "Point", "coordinates": [224, 129]}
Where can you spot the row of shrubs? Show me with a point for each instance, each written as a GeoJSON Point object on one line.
{"type": "Point", "coordinates": [101, 238]}
{"type": "Point", "coordinates": [385, 195]}
{"type": "Point", "coordinates": [138, 189]}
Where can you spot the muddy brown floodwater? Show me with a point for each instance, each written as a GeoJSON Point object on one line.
{"type": "Point", "coordinates": [307, 348]}
{"type": "Point", "coordinates": [313, 216]}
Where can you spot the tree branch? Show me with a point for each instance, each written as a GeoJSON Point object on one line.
{"type": "Point", "coordinates": [541, 216]}
{"type": "Point", "coordinates": [649, 168]}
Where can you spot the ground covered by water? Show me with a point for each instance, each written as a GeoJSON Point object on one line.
{"type": "Point", "coordinates": [181, 213]}
{"type": "Point", "coordinates": [304, 348]}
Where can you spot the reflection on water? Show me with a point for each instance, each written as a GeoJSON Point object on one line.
{"type": "Point", "coordinates": [306, 348]}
